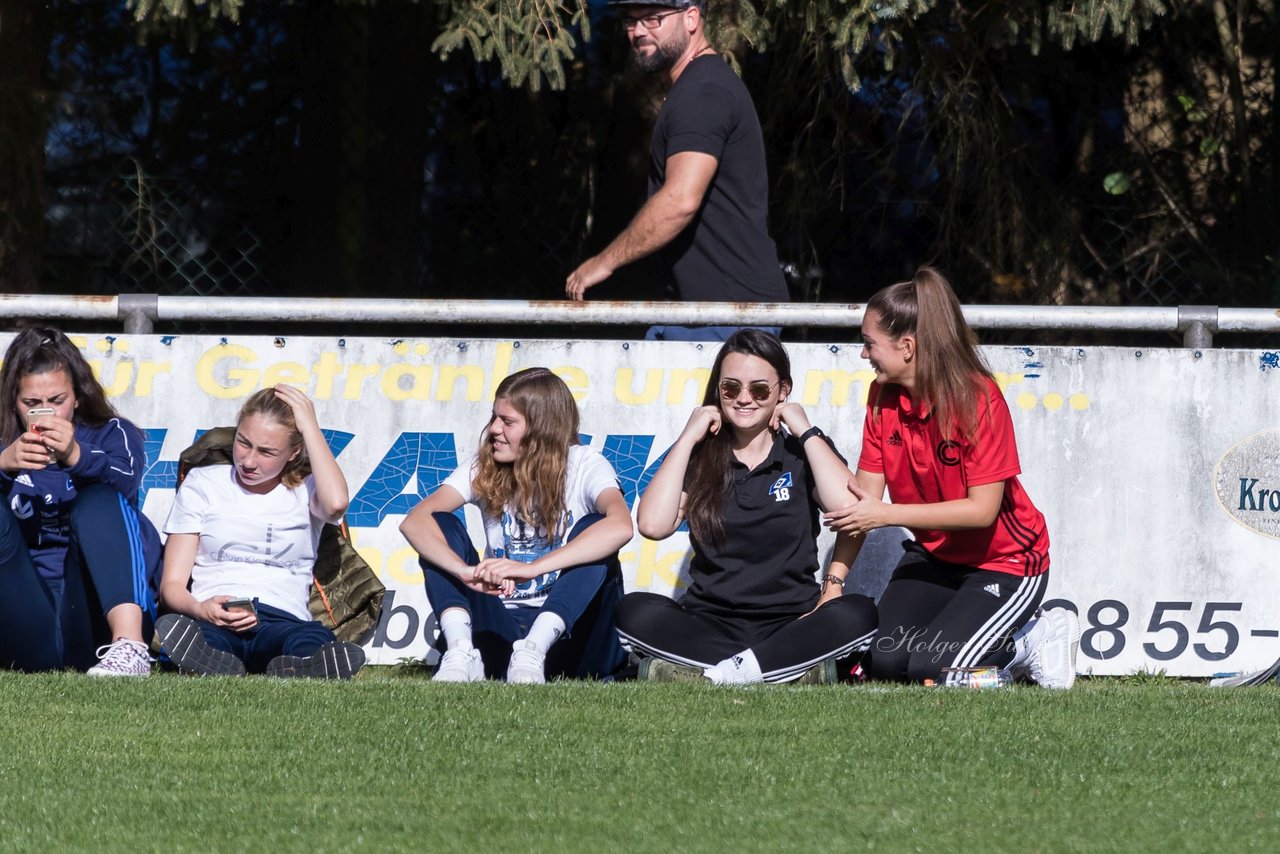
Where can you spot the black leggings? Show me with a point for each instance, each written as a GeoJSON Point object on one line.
{"type": "Point", "coordinates": [785, 646]}
{"type": "Point", "coordinates": [936, 615]}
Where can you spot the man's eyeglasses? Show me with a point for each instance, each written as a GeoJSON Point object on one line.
{"type": "Point", "coordinates": [759, 390]}
{"type": "Point", "coordinates": [650, 22]}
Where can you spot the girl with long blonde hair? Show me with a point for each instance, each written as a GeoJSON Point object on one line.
{"type": "Point", "coordinates": [541, 601]}
{"type": "Point", "coordinates": [243, 540]}
{"type": "Point", "coordinates": [939, 437]}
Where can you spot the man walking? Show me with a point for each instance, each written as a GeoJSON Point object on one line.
{"type": "Point", "coordinates": [708, 186]}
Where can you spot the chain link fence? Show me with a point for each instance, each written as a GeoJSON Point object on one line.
{"type": "Point", "coordinates": [169, 239]}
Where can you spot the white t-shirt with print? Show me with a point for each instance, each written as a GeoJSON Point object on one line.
{"type": "Point", "coordinates": [587, 475]}
{"type": "Point", "coordinates": [251, 545]}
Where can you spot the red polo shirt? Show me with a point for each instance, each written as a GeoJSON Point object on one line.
{"type": "Point", "coordinates": [903, 443]}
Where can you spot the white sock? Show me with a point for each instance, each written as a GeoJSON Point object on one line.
{"type": "Point", "coordinates": [546, 630]}
{"type": "Point", "coordinates": [455, 625]}
{"type": "Point", "coordinates": [1024, 641]}
{"type": "Point", "coordinates": [741, 669]}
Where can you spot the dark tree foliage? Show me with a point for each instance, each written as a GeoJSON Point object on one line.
{"type": "Point", "coordinates": [149, 138]}
{"type": "Point", "coordinates": [25, 33]}
{"type": "Point", "coordinates": [1085, 159]}
{"type": "Point", "coordinates": [1100, 151]}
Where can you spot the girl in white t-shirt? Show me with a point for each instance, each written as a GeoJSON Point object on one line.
{"type": "Point", "coordinates": [242, 546]}
{"type": "Point", "coordinates": [541, 602]}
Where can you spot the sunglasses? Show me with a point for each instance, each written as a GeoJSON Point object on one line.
{"type": "Point", "coordinates": [759, 390]}
{"type": "Point", "coordinates": [650, 22]}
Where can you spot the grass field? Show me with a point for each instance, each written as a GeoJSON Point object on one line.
{"type": "Point", "coordinates": [392, 762]}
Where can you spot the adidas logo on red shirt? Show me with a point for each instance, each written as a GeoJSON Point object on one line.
{"type": "Point", "coordinates": [896, 439]}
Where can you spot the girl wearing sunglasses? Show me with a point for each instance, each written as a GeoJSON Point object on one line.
{"type": "Point", "coordinates": [748, 474]}
{"type": "Point", "coordinates": [939, 436]}
{"type": "Point", "coordinates": [541, 602]}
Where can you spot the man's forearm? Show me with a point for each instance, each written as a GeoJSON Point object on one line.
{"type": "Point", "coordinates": [667, 213]}
{"type": "Point", "coordinates": [656, 224]}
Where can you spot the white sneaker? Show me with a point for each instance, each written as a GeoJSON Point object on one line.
{"type": "Point", "coordinates": [460, 665]}
{"type": "Point", "coordinates": [122, 658]}
{"type": "Point", "coordinates": [528, 664]}
{"type": "Point", "coordinates": [1053, 644]}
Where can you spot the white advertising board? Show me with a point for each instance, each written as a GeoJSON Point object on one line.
{"type": "Point", "coordinates": [1158, 470]}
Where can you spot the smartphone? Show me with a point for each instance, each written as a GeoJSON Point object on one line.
{"type": "Point", "coordinates": [241, 605]}
{"type": "Point", "coordinates": [39, 412]}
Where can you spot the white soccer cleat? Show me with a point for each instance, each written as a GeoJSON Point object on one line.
{"type": "Point", "coordinates": [460, 665]}
{"type": "Point", "coordinates": [528, 665]}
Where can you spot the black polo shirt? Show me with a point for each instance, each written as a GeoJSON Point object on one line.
{"type": "Point", "coordinates": [766, 565]}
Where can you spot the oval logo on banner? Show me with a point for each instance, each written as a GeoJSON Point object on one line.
{"type": "Point", "coordinates": [1247, 482]}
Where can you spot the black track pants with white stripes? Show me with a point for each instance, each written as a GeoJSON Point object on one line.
{"type": "Point", "coordinates": [936, 615]}
{"type": "Point", "coordinates": [785, 647]}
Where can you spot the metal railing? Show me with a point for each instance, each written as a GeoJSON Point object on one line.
{"type": "Point", "coordinates": [139, 313]}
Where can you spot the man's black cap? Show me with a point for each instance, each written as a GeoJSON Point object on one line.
{"type": "Point", "coordinates": [670, 4]}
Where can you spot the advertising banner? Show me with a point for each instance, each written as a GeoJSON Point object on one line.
{"type": "Point", "coordinates": [1158, 470]}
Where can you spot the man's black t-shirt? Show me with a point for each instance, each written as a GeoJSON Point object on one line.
{"type": "Point", "coordinates": [725, 254]}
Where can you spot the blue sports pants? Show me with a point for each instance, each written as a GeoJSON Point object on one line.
{"type": "Point", "coordinates": [47, 625]}
{"type": "Point", "coordinates": [277, 633]}
{"type": "Point", "coordinates": [583, 596]}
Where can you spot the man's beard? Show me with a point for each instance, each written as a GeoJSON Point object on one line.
{"type": "Point", "coordinates": [665, 55]}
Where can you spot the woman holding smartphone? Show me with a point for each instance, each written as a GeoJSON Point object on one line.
{"type": "Point", "coordinates": [76, 556]}
{"type": "Point", "coordinates": [540, 604]}
{"type": "Point", "coordinates": [242, 546]}
{"type": "Point", "coordinates": [749, 474]}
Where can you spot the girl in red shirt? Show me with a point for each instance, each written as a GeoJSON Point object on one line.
{"type": "Point", "coordinates": [939, 436]}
